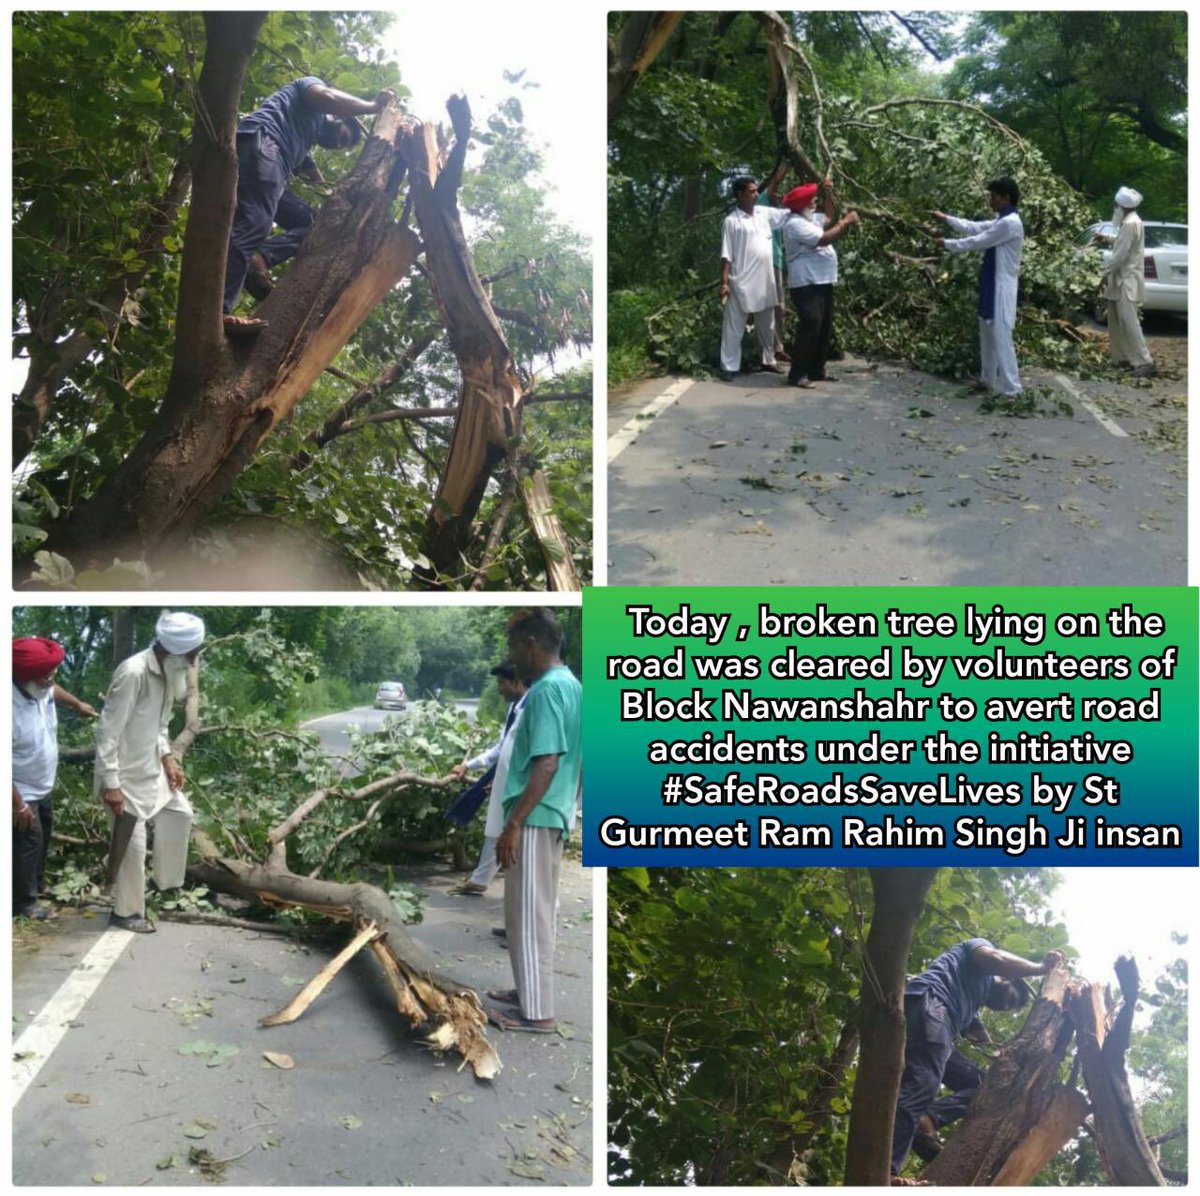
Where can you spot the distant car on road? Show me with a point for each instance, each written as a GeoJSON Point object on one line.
{"type": "Point", "coordinates": [390, 696]}
{"type": "Point", "coordinates": [1165, 261]}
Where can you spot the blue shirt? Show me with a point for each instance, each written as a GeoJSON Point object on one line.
{"type": "Point", "coordinates": [288, 121]}
{"type": "Point", "coordinates": [955, 980]}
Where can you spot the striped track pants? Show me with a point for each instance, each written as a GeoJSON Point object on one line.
{"type": "Point", "coordinates": [530, 905]}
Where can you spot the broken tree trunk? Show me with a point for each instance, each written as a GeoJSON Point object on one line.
{"type": "Point", "coordinates": [561, 573]}
{"type": "Point", "coordinates": [488, 425]}
{"type": "Point", "coordinates": [633, 49]}
{"type": "Point", "coordinates": [225, 396]}
{"type": "Point", "coordinates": [425, 995]}
{"type": "Point", "coordinates": [1124, 1151]}
{"type": "Point", "coordinates": [1023, 1115]}
{"type": "Point", "coordinates": [899, 898]}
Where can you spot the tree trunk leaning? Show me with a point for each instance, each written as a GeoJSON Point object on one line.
{"type": "Point", "coordinates": [1124, 1151]}
{"type": "Point", "coordinates": [225, 396]}
{"type": "Point", "coordinates": [488, 424]}
{"type": "Point", "coordinates": [1020, 1098]}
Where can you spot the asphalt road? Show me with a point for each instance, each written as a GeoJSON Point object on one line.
{"type": "Point", "coordinates": [104, 1096]}
{"type": "Point", "coordinates": [115, 1099]}
{"type": "Point", "coordinates": [891, 476]}
{"type": "Point", "coordinates": [334, 730]}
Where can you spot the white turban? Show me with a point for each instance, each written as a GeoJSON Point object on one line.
{"type": "Point", "coordinates": [1128, 198]}
{"type": "Point", "coordinates": [179, 632]}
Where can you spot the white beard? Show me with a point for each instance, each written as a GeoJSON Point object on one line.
{"type": "Point", "coordinates": [1118, 217]}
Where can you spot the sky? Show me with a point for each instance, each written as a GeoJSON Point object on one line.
{"type": "Point", "coordinates": [1116, 911]}
{"type": "Point", "coordinates": [441, 52]}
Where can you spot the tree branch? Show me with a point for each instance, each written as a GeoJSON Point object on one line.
{"type": "Point", "coordinates": [200, 349]}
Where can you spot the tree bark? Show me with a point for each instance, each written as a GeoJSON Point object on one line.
{"type": "Point", "coordinates": [224, 397]}
{"type": "Point", "coordinates": [783, 94]}
{"type": "Point", "coordinates": [633, 49]}
{"type": "Point", "coordinates": [1022, 1116]}
{"type": "Point", "coordinates": [561, 573]}
{"type": "Point", "coordinates": [123, 646]}
{"type": "Point", "coordinates": [899, 898]}
{"type": "Point", "coordinates": [1124, 1150]}
{"type": "Point", "coordinates": [489, 406]}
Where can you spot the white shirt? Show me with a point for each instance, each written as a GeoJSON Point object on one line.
{"type": "Point", "coordinates": [1124, 275]}
{"type": "Point", "coordinates": [35, 743]}
{"type": "Point", "coordinates": [495, 810]}
{"type": "Point", "coordinates": [808, 264]}
{"type": "Point", "coordinates": [132, 734]}
{"type": "Point", "coordinates": [1007, 235]}
{"type": "Point", "coordinates": [746, 245]}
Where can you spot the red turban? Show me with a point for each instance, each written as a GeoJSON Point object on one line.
{"type": "Point", "coordinates": [34, 656]}
{"type": "Point", "coordinates": [799, 198]}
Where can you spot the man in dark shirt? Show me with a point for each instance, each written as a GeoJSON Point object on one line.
{"type": "Point", "coordinates": [272, 145]}
{"type": "Point", "coordinates": [941, 1005]}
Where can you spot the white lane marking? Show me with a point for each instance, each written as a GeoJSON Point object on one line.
{"type": "Point", "coordinates": [621, 439]}
{"type": "Point", "coordinates": [1107, 424]}
{"type": "Point", "coordinates": [49, 1028]}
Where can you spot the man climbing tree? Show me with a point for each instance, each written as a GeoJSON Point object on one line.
{"type": "Point", "coordinates": [941, 1005]}
{"type": "Point", "coordinates": [273, 144]}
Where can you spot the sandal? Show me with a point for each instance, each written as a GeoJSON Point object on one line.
{"type": "Point", "coordinates": [506, 996]}
{"type": "Point", "coordinates": [468, 889]}
{"type": "Point", "coordinates": [506, 1022]}
{"type": "Point", "coordinates": [134, 922]}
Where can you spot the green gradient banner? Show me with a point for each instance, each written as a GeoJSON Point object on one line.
{"type": "Point", "coordinates": [886, 726]}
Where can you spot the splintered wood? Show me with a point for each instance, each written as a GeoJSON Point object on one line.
{"type": "Point", "coordinates": [425, 996]}
{"type": "Point", "coordinates": [317, 985]}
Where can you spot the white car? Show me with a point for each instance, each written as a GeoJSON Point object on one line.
{"type": "Point", "coordinates": [390, 696]}
{"type": "Point", "coordinates": [1164, 258]}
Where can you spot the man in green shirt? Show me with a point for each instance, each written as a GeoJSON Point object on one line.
{"type": "Point", "coordinates": [540, 793]}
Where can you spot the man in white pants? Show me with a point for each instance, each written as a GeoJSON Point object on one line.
{"type": "Point", "coordinates": [1001, 240]}
{"type": "Point", "coordinates": [748, 275]}
{"type": "Point", "coordinates": [540, 795]}
{"type": "Point", "coordinates": [1125, 286]}
{"type": "Point", "coordinates": [135, 770]}
{"type": "Point", "coordinates": [512, 689]}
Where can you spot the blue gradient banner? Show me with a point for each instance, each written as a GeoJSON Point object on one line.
{"type": "Point", "coordinates": [885, 726]}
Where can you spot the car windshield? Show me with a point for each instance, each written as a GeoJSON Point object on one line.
{"type": "Point", "coordinates": [1166, 236]}
{"type": "Point", "coordinates": [1093, 230]}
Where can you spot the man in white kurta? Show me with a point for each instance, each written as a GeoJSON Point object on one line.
{"type": "Point", "coordinates": [1001, 240]}
{"type": "Point", "coordinates": [135, 770]}
{"type": "Point", "coordinates": [1125, 286]}
{"type": "Point", "coordinates": [748, 276]}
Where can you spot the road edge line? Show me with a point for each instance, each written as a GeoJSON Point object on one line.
{"type": "Point", "coordinates": [40, 1038]}
{"type": "Point", "coordinates": [1103, 420]}
{"type": "Point", "coordinates": [629, 431]}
